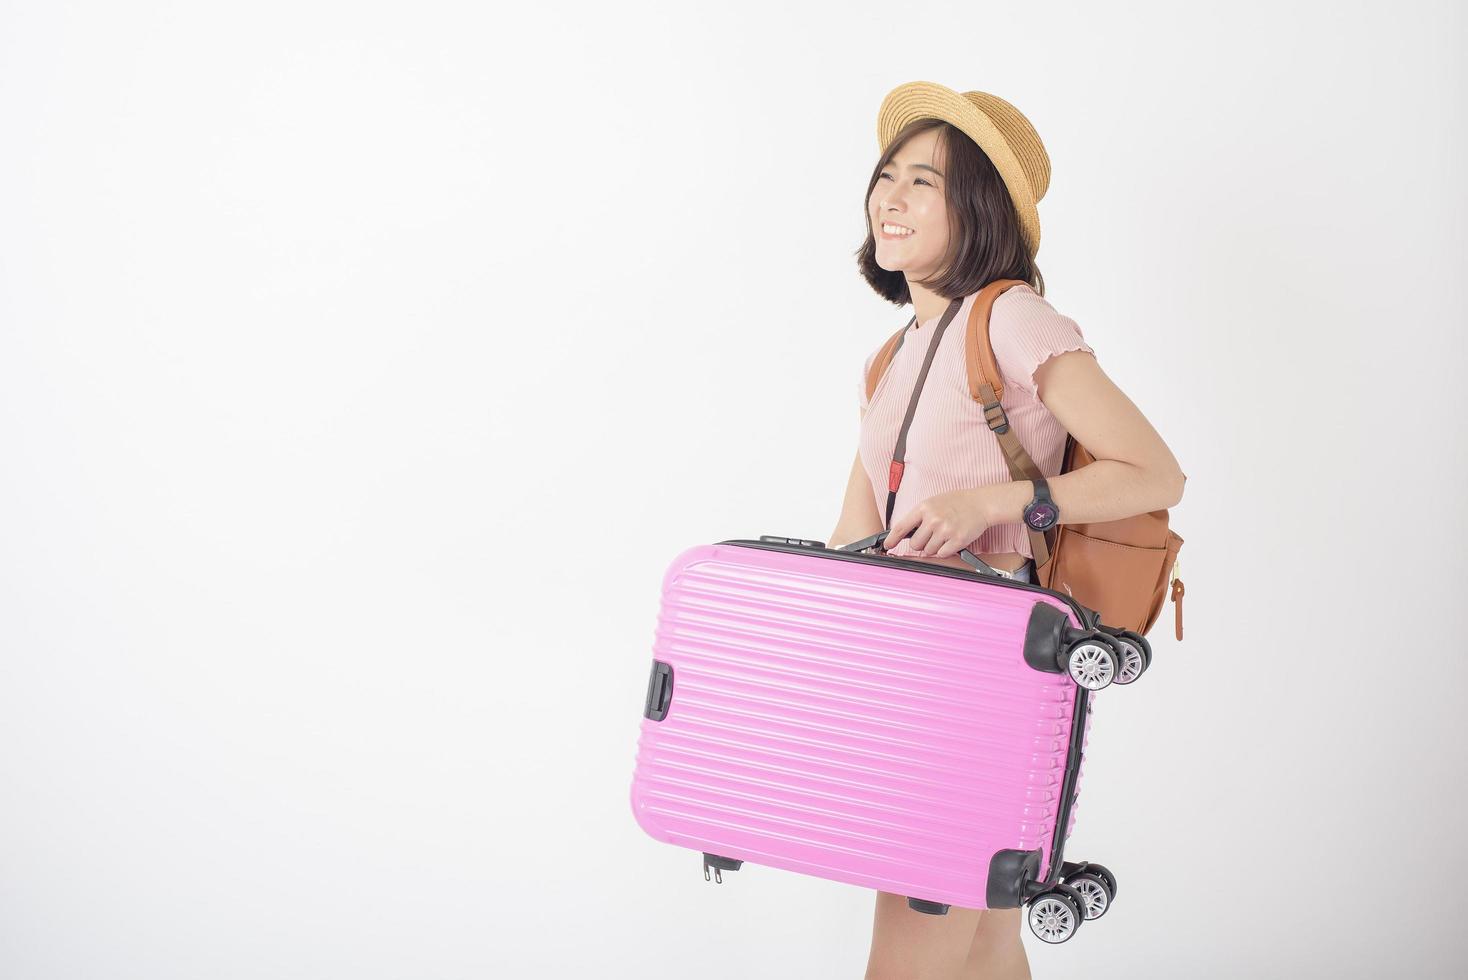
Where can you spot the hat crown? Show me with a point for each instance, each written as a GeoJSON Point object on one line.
{"type": "Point", "coordinates": [1020, 136]}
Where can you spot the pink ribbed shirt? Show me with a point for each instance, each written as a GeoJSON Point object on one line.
{"type": "Point", "coordinates": [949, 445]}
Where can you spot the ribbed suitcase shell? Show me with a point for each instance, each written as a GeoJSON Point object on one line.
{"type": "Point", "coordinates": [862, 719]}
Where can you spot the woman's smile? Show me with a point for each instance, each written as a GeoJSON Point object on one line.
{"type": "Point", "coordinates": [897, 233]}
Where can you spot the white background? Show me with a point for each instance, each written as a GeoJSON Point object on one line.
{"type": "Point", "coordinates": [362, 368]}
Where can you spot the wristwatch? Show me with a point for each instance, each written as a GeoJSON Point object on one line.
{"type": "Point", "coordinates": [1041, 514]}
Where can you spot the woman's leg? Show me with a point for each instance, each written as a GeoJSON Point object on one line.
{"type": "Point", "coordinates": [997, 952]}
{"type": "Point", "coordinates": [964, 944]}
{"type": "Point", "coordinates": [908, 945]}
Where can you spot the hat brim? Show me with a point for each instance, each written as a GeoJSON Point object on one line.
{"type": "Point", "coordinates": [929, 100]}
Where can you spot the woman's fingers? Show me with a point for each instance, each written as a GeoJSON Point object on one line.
{"type": "Point", "coordinates": [920, 538]}
{"type": "Point", "coordinates": [900, 529]}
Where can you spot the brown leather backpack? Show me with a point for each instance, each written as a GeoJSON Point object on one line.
{"type": "Point", "coordinates": [1123, 569]}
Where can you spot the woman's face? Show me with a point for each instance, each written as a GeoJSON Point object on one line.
{"type": "Point", "coordinates": [909, 193]}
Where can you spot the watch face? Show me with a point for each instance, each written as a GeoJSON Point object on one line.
{"type": "Point", "coordinates": [1041, 516]}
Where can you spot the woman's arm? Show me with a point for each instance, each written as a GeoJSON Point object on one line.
{"type": "Point", "coordinates": [859, 517]}
{"type": "Point", "coordinates": [1134, 471]}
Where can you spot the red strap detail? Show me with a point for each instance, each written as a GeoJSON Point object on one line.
{"type": "Point", "coordinates": [894, 476]}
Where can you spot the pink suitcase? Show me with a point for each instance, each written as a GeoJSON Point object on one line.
{"type": "Point", "coordinates": [880, 721]}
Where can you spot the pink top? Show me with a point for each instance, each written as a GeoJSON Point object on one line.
{"type": "Point", "coordinates": [949, 445]}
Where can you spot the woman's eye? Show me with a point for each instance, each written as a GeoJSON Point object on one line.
{"type": "Point", "coordinates": [885, 174]}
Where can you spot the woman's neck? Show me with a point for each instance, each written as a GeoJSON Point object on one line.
{"type": "Point", "coordinates": [926, 303]}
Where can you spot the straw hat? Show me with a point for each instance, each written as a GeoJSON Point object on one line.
{"type": "Point", "coordinates": [999, 129]}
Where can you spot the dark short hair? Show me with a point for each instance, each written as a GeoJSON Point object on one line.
{"type": "Point", "coordinates": [985, 241]}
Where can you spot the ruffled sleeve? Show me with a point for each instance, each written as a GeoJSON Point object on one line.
{"type": "Point", "coordinates": [1026, 331]}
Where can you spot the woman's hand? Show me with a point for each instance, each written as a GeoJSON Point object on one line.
{"type": "Point", "coordinates": [945, 523]}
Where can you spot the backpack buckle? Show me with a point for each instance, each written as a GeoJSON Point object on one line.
{"type": "Point", "coordinates": [994, 412]}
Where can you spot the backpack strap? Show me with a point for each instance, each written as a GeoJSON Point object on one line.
{"type": "Point", "coordinates": [986, 385]}
{"type": "Point", "coordinates": [884, 358]}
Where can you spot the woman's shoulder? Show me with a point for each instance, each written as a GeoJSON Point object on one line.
{"type": "Point", "coordinates": [1022, 298]}
{"type": "Point", "coordinates": [1023, 310]}
{"type": "Point", "coordinates": [1025, 330]}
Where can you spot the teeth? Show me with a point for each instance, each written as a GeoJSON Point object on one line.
{"type": "Point", "coordinates": [896, 230]}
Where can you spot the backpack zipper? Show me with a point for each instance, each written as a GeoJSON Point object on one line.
{"type": "Point", "coordinates": [1177, 597]}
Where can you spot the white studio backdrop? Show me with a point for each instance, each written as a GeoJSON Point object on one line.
{"type": "Point", "coordinates": [362, 367]}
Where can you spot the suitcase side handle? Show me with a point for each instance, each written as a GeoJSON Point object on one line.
{"type": "Point", "coordinates": [875, 541]}
{"type": "Point", "coordinates": [659, 691]}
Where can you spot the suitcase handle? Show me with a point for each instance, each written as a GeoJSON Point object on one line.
{"type": "Point", "coordinates": [875, 541]}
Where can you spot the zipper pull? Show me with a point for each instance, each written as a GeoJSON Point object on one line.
{"type": "Point", "coordinates": [1177, 599]}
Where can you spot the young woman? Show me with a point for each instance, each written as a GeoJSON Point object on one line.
{"type": "Point", "coordinates": [951, 207]}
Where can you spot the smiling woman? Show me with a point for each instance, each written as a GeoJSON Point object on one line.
{"type": "Point", "coordinates": [951, 207]}
{"type": "Point", "coordinates": [941, 223]}
{"type": "Point", "coordinates": [935, 181]}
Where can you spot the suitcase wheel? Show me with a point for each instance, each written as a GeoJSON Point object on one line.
{"type": "Point", "coordinates": [1069, 869]}
{"type": "Point", "coordinates": [1094, 662]}
{"type": "Point", "coordinates": [1094, 893]}
{"type": "Point", "coordinates": [1056, 913]}
{"type": "Point", "coordinates": [1136, 655]}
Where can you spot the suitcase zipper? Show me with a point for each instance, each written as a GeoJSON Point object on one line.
{"type": "Point", "coordinates": [1087, 617]}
